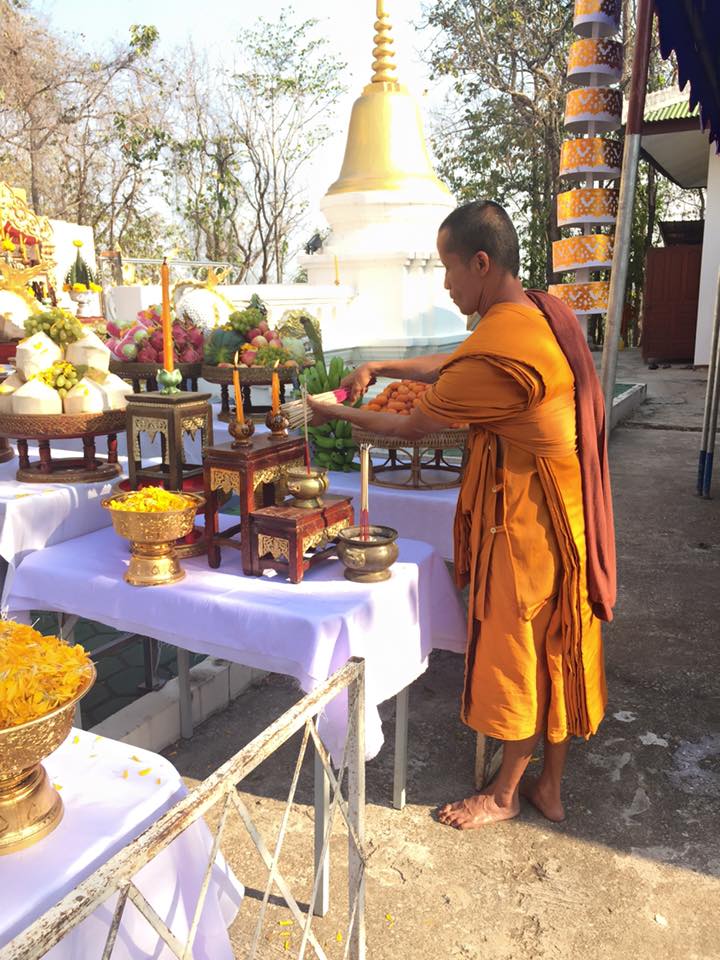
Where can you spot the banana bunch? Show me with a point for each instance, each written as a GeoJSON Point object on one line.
{"type": "Point", "coordinates": [333, 446]}
{"type": "Point", "coordinates": [60, 325]}
{"type": "Point", "coordinates": [62, 376]}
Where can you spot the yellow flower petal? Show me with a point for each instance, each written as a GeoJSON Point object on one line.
{"type": "Point", "coordinates": [145, 772]}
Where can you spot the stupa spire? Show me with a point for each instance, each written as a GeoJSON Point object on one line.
{"type": "Point", "coordinates": [384, 69]}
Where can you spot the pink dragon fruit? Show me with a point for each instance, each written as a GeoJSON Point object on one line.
{"type": "Point", "coordinates": [195, 336]}
{"type": "Point", "coordinates": [156, 339]}
{"type": "Point", "coordinates": [146, 354]}
{"type": "Point", "coordinates": [190, 355]}
{"type": "Point", "coordinates": [113, 329]}
{"type": "Point", "coordinates": [128, 351]}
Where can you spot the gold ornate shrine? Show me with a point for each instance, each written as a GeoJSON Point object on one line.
{"type": "Point", "coordinates": [32, 234]}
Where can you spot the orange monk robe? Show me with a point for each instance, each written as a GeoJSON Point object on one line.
{"type": "Point", "coordinates": [534, 658]}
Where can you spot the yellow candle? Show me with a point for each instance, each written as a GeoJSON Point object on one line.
{"type": "Point", "coordinates": [337, 272]}
{"type": "Point", "coordinates": [275, 405]}
{"type": "Point", "coordinates": [239, 413]}
{"type": "Point", "coordinates": [166, 324]}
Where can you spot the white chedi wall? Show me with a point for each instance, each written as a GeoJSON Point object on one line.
{"type": "Point", "coordinates": [382, 244]}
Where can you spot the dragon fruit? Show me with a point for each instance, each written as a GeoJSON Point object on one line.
{"type": "Point", "coordinates": [195, 336]}
{"type": "Point", "coordinates": [128, 351]}
{"type": "Point", "coordinates": [146, 354]}
{"type": "Point", "coordinates": [190, 355]}
{"type": "Point", "coordinates": [113, 329]}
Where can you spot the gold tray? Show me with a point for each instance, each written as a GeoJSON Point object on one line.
{"type": "Point", "coordinates": [141, 371]}
{"type": "Point", "coordinates": [417, 464]}
{"type": "Point", "coordinates": [249, 376]}
{"type": "Point", "coordinates": [57, 426]}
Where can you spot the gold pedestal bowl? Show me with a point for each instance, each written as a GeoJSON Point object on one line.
{"type": "Point", "coordinates": [30, 807]}
{"type": "Point", "coordinates": [306, 487]}
{"type": "Point", "coordinates": [153, 559]}
{"type": "Point", "coordinates": [368, 561]}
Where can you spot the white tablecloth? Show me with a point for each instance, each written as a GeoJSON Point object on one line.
{"type": "Point", "coordinates": [33, 516]}
{"type": "Point", "coordinates": [111, 793]}
{"type": "Point", "coordinates": [305, 630]}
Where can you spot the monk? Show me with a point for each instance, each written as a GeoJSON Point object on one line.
{"type": "Point", "coordinates": [533, 531]}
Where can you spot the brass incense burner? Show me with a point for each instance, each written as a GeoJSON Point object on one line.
{"type": "Point", "coordinates": [306, 487]}
{"type": "Point", "coordinates": [368, 561]}
{"type": "Point", "coordinates": [30, 807]}
{"type": "Point", "coordinates": [152, 534]}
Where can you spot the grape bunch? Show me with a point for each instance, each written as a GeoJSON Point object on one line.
{"type": "Point", "coordinates": [60, 325]}
{"type": "Point", "coordinates": [62, 376]}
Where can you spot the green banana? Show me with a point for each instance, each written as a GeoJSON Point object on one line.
{"type": "Point", "coordinates": [325, 443]}
{"type": "Point", "coordinates": [322, 458]}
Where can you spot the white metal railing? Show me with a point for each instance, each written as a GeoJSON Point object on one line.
{"type": "Point", "coordinates": [220, 788]}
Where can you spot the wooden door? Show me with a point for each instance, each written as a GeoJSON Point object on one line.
{"type": "Point", "coordinates": [670, 302]}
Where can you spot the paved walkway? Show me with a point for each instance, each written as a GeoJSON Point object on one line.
{"type": "Point", "coordinates": [634, 872]}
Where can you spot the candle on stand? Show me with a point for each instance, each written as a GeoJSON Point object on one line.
{"type": "Point", "coordinates": [166, 324]}
{"type": "Point", "coordinates": [364, 482]}
{"type": "Point", "coordinates": [239, 412]}
{"type": "Point", "coordinates": [275, 402]}
{"type": "Point", "coordinates": [337, 272]}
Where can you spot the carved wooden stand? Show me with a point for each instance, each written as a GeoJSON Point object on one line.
{"type": "Point", "coordinates": [292, 539]}
{"type": "Point", "coordinates": [173, 416]}
{"type": "Point", "coordinates": [255, 472]}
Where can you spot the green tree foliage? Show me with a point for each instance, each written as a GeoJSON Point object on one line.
{"type": "Point", "coordinates": [500, 135]}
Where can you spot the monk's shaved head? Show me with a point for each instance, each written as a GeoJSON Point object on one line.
{"type": "Point", "coordinates": [483, 225]}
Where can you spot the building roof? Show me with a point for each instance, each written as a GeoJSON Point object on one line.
{"type": "Point", "coordinates": [692, 29]}
{"type": "Point", "coordinates": [680, 110]}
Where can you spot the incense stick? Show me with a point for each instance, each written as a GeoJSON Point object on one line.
{"type": "Point", "coordinates": [305, 417]}
{"type": "Point", "coordinates": [295, 410]}
{"type": "Point", "coordinates": [364, 482]}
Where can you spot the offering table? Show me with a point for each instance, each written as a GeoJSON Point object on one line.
{"type": "Point", "coordinates": [306, 631]}
{"type": "Point", "coordinates": [112, 792]}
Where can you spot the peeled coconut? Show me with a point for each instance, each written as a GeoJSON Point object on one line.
{"type": "Point", "coordinates": [36, 397]}
{"type": "Point", "coordinates": [35, 354]}
{"type": "Point", "coordinates": [89, 351]}
{"type": "Point", "coordinates": [115, 392]}
{"type": "Point", "coordinates": [85, 397]}
{"type": "Point", "coordinates": [7, 389]}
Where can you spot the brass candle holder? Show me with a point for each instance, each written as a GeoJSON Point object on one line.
{"type": "Point", "coordinates": [30, 807]}
{"type": "Point", "coordinates": [153, 559]}
{"type": "Point", "coordinates": [307, 486]}
{"type": "Point", "coordinates": [277, 424]}
{"type": "Point", "coordinates": [368, 560]}
{"type": "Point", "coordinates": [241, 432]}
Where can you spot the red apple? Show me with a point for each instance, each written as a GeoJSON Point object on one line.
{"type": "Point", "coordinates": [259, 341]}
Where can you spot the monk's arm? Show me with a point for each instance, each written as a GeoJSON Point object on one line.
{"type": "Point", "coordinates": [417, 425]}
{"type": "Point", "coordinates": [425, 369]}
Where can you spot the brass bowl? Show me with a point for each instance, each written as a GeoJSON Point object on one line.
{"type": "Point", "coordinates": [30, 807]}
{"type": "Point", "coordinates": [307, 488]}
{"type": "Point", "coordinates": [153, 559]}
{"type": "Point", "coordinates": [368, 561]}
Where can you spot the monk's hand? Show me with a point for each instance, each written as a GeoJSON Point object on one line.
{"type": "Point", "coordinates": [323, 412]}
{"type": "Point", "coordinates": [357, 382]}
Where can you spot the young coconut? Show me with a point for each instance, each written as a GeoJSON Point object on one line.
{"type": "Point", "coordinates": [35, 354]}
{"type": "Point", "coordinates": [36, 397]}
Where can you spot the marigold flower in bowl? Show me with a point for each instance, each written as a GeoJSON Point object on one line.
{"type": "Point", "coordinates": [79, 288]}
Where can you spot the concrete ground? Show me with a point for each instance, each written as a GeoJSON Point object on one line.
{"type": "Point", "coordinates": [634, 872]}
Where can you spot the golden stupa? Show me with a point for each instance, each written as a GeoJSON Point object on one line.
{"type": "Point", "coordinates": [386, 147]}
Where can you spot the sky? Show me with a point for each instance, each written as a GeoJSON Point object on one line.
{"type": "Point", "coordinates": [214, 24]}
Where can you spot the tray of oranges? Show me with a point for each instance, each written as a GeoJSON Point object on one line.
{"type": "Point", "coordinates": [434, 461]}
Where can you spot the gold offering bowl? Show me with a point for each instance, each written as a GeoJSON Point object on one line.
{"type": "Point", "coordinates": [152, 534]}
{"type": "Point", "coordinates": [30, 807]}
{"type": "Point", "coordinates": [307, 488]}
{"type": "Point", "coordinates": [368, 561]}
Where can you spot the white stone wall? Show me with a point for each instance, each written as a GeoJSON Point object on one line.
{"type": "Point", "coordinates": [710, 264]}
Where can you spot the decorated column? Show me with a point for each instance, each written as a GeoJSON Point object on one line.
{"type": "Point", "coordinates": [591, 161]}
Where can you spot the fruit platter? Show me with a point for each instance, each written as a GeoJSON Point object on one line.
{"type": "Point", "coordinates": [137, 348]}
{"type": "Point", "coordinates": [62, 388]}
{"type": "Point", "coordinates": [435, 461]}
{"type": "Point", "coordinates": [259, 350]}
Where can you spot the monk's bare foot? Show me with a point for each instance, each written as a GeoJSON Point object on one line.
{"type": "Point", "coordinates": [477, 811]}
{"type": "Point", "coordinates": [533, 790]}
